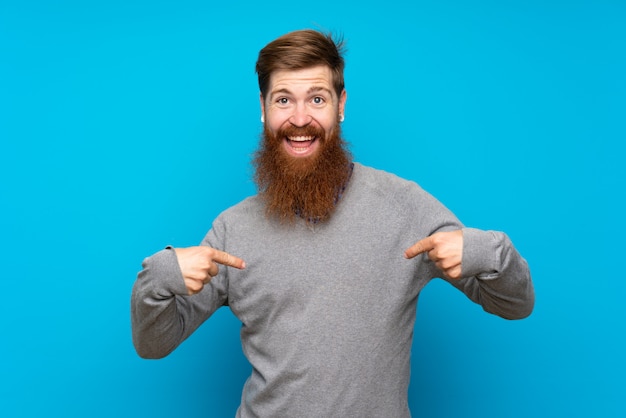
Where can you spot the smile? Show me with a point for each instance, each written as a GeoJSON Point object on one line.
{"type": "Point", "coordinates": [300, 144]}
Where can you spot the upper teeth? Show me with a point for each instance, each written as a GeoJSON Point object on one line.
{"type": "Point", "coordinates": [301, 138]}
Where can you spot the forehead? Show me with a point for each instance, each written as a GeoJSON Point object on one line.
{"type": "Point", "coordinates": [301, 80]}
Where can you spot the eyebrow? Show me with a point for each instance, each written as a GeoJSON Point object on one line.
{"type": "Point", "coordinates": [316, 89]}
{"type": "Point", "coordinates": [313, 89]}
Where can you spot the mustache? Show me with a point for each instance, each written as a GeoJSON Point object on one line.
{"type": "Point", "coordinates": [309, 130]}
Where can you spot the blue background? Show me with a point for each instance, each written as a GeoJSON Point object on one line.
{"type": "Point", "coordinates": [128, 125]}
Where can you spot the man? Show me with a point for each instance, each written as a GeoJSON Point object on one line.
{"type": "Point", "coordinates": [324, 266]}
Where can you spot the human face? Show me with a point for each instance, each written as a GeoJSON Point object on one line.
{"type": "Point", "coordinates": [302, 107]}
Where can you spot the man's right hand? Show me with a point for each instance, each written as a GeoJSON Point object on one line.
{"type": "Point", "coordinates": [200, 264]}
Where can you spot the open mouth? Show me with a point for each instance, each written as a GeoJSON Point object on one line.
{"type": "Point", "coordinates": [300, 144]}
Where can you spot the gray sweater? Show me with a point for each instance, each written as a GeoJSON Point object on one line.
{"type": "Point", "coordinates": [327, 311]}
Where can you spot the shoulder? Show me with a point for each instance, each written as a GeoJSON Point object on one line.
{"type": "Point", "coordinates": [395, 193]}
{"type": "Point", "coordinates": [392, 194]}
{"type": "Point", "coordinates": [385, 184]}
{"type": "Point", "coordinates": [241, 219]}
{"type": "Point", "coordinates": [247, 208]}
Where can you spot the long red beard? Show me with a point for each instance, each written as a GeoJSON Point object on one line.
{"type": "Point", "coordinates": [305, 187]}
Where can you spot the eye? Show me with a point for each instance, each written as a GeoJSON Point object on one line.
{"type": "Point", "coordinates": [282, 101]}
{"type": "Point", "coordinates": [318, 100]}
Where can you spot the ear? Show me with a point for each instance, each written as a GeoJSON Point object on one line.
{"type": "Point", "coordinates": [342, 102]}
{"type": "Point", "coordinates": [262, 103]}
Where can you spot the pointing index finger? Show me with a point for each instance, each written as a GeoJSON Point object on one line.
{"type": "Point", "coordinates": [226, 259]}
{"type": "Point", "coordinates": [421, 246]}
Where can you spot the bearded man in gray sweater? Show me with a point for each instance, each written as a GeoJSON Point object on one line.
{"type": "Point", "coordinates": [325, 264]}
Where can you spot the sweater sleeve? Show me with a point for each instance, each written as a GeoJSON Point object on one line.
{"type": "Point", "coordinates": [163, 315]}
{"type": "Point", "coordinates": [495, 275]}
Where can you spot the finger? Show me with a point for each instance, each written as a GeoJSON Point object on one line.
{"type": "Point", "coordinates": [454, 273]}
{"type": "Point", "coordinates": [228, 260]}
{"type": "Point", "coordinates": [207, 279]}
{"type": "Point", "coordinates": [420, 247]}
{"type": "Point", "coordinates": [445, 263]}
{"type": "Point", "coordinates": [193, 286]}
{"type": "Point", "coordinates": [213, 269]}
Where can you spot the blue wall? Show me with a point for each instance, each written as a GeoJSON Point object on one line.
{"type": "Point", "coordinates": [128, 125]}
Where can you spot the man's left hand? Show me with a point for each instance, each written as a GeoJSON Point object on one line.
{"type": "Point", "coordinates": [445, 249]}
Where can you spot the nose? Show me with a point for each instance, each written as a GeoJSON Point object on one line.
{"type": "Point", "coordinates": [300, 116]}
